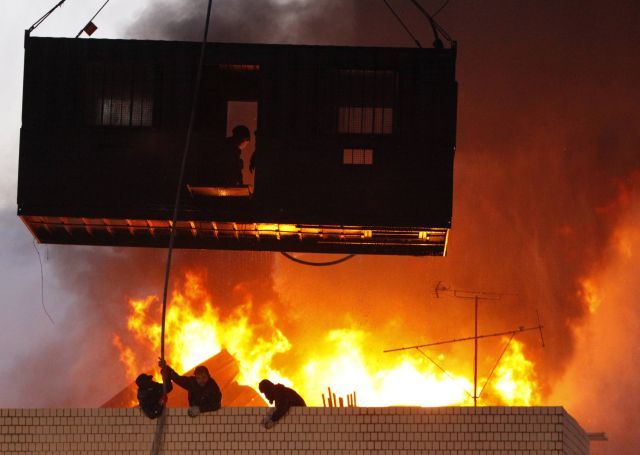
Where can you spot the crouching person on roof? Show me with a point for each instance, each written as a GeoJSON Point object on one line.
{"type": "Point", "coordinates": [204, 393]}
{"type": "Point", "coordinates": [152, 396]}
{"type": "Point", "coordinates": [284, 398]}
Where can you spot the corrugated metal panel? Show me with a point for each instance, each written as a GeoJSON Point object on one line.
{"type": "Point", "coordinates": [347, 136]}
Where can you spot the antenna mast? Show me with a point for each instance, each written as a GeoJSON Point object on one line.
{"type": "Point", "coordinates": [476, 296]}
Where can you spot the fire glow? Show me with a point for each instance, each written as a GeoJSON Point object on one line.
{"type": "Point", "coordinates": [196, 330]}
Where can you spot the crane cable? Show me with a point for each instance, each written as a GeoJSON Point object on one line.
{"type": "Point", "coordinates": [91, 20]}
{"type": "Point", "coordinates": [439, 10]}
{"type": "Point", "coordinates": [157, 442]}
{"type": "Point", "coordinates": [44, 17]}
{"type": "Point", "coordinates": [430, 17]}
{"type": "Point", "coordinates": [415, 40]}
{"type": "Point", "coordinates": [434, 25]}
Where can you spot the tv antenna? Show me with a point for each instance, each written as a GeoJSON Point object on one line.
{"type": "Point", "coordinates": [476, 296]}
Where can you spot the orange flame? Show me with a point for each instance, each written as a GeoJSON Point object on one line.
{"type": "Point", "coordinates": [346, 359]}
{"type": "Point", "coordinates": [515, 380]}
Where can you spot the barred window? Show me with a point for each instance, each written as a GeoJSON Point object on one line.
{"type": "Point", "coordinates": [238, 68]}
{"type": "Point", "coordinates": [357, 156]}
{"type": "Point", "coordinates": [365, 120]}
{"type": "Point", "coordinates": [119, 94]}
{"type": "Point", "coordinates": [365, 101]}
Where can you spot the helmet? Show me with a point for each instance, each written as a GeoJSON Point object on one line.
{"type": "Point", "coordinates": [201, 369]}
{"type": "Point", "coordinates": [241, 132]}
{"type": "Point", "coordinates": [143, 380]}
{"type": "Point", "coordinates": [265, 385]}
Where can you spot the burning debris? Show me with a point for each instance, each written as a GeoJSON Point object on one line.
{"type": "Point", "coordinates": [250, 338]}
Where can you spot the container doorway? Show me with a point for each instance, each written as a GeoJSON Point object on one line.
{"type": "Point", "coordinates": [244, 113]}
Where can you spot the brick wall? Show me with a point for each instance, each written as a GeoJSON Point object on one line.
{"type": "Point", "coordinates": [453, 430]}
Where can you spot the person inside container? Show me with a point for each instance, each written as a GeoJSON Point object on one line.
{"type": "Point", "coordinates": [203, 391]}
{"type": "Point", "coordinates": [284, 398]}
{"type": "Point", "coordinates": [227, 162]}
{"type": "Point", "coordinates": [152, 396]}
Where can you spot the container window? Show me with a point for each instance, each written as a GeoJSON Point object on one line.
{"type": "Point", "coordinates": [365, 101]}
{"type": "Point", "coordinates": [119, 94]}
{"type": "Point", "coordinates": [357, 156]}
{"type": "Point", "coordinates": [365, 120]}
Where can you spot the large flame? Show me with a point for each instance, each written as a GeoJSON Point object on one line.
{"type": "Point", "coordinates": [343, 359]}
{"type": "Point", "coordinates": [515, 378]}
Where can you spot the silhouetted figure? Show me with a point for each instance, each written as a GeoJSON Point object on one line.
{"type": "Point", "coordinates": [227, 163]}
{"type": "Point", "coordinates": [284, 398]}
{"type": "Point", "coordinates": [204, 393]}
{"type": "Point", "coordinates": [151, 395]}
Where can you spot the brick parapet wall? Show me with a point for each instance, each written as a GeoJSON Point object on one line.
{"type": "Point", "coordinates": [401, 430]}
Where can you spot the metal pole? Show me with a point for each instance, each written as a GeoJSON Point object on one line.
{"type": "Point", "coordinates": [475, 358]}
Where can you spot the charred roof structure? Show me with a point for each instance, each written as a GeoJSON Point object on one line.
{"type": "Point", "coordinates": [354, 146]}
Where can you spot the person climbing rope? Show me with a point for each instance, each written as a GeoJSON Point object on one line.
{"type": "Point", "coordinates": [152, 396]}
{"type": "Point", "coordinates": [204, 393]}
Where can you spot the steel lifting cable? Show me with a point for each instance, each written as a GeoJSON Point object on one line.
{"type": "Point", "coordinates": [317, 264]}
{"type": "Point", "coordinates": [91, 20]}
{"type": "Point", "coordinates": [44, 17]}
{"type": "Point", "coordinates": [434, 25]}
{"type": "Point", "coordinates": [439, 10]}
{"type": "Point", "coordinates": [415, 40]}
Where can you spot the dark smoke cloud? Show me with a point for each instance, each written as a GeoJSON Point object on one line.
{"type": "Point", "coordinates": [547, 130]}
{"type": "Point", "coordinates": [546, 134]}
{"type": "Point", "coordinates": [268, 21]}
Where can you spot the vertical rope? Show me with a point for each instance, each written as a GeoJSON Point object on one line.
{"type": "Point", "coordinates": [44, 308]}
{"type": "Point", "coordinates": [157, 441]}
{"type": "Point", "coordinates": [176, 206]}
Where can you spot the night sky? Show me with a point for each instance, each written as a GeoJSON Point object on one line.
{"type": "Point", "coordinates": [546, 203]}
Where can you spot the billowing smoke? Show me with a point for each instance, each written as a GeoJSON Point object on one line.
{"type": "Point", "coordinates": [81, 368]}
{"type": "Point", "coordinates": [602, 373]}
{"type": "Point", "coordinates": [270, 21]}
{"type": "Point", "coordinates": [547, 138]}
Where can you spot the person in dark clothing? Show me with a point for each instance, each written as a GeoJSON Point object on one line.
{"type": "Point", "coordinates": [284, 398]}
{"type": "Point", "coordinates": [151, 395]}
{"type": "Point", "coordinates": [204, 393]}
{"type": "Point", "coordinates": [227, 163]}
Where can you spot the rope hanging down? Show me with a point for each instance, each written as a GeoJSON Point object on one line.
{"type": "Point", "coordinates": [157, 440]}
{"type": "Point", "coordinates": [185, 152]}
{"type": "Point", "coordinates": [44, 308]}
{"type": "Point", "coordinates": [317, 264]}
